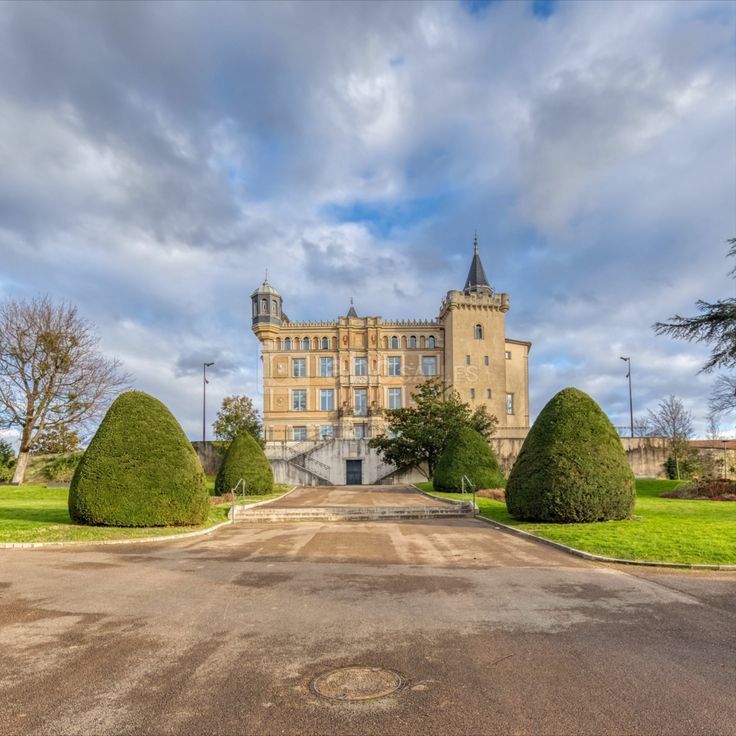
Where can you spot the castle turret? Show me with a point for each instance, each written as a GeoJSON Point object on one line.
{"type": "Point", "coordinates": [267, 314]}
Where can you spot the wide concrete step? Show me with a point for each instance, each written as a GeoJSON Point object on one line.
{"type": "Point", "coordinates": [351, 513]}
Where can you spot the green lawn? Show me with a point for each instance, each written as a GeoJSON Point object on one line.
{"type": "Point", "coordinates": [661, 530]}
{"type": "Point", "coordinates": [36, 513]}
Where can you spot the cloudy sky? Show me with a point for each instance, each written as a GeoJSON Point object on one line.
{"type": "Point", "coordinates": [156, 158]}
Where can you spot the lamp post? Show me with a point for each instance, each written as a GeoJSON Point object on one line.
{"type": "Point", "coordinates": [627, 360]}
{"type": "Point", "coordinates": [205, 366]}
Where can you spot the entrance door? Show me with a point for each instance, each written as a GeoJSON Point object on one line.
{"type": "Point", "coordinates": [354, 472]}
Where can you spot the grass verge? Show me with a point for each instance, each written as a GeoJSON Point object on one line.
{"type": "Point", "coordinates": [661, 530]}
{"type": "Point", "coordinates": [36, 513]}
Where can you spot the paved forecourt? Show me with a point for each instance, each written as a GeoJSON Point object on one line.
{"type": "Point", "coordinates": [490, 634]}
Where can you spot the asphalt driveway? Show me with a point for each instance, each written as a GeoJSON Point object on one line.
{"type": "Point", "coordinates": [492, 634]}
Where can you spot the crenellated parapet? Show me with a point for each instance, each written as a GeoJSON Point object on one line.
{"type": "Point", "coordinates": [474, 300]}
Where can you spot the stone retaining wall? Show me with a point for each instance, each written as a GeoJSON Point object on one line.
{"type": "Point", "coordinates": [325, 462]}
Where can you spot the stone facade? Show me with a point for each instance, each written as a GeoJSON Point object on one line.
{"type": "Point", "coordinates": [334, 380]}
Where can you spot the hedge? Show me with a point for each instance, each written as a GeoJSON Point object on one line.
{"type": "Point", "coordinates": [467, 453]}
{"type": "Point", "coordinates": [139, 470]}
{"type": "Point", "coordinates": [245, 459]}
{"type": "Point", "coordinates": [572, 466]}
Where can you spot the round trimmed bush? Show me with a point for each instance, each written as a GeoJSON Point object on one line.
{"type": "Point", "coordinates": [139, 470]}
{"type": "Point", "coordinates": [467, 453]}
{"type": "Point", "coordinates": [245, 459]}
{"type": "Point", "coordinates": [572, 466]}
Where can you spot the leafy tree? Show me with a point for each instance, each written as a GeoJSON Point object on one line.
{"type": "Point", "coordinates": [7, 461]}
{"type": "Point", "coordinates": [572, 466]}
{"type": "Point", "coordinates": [245, 460]}
{"type": "Point", "coordinates": [673, 421]}
{"type": "Point", "coordinates": [417, 435]}
{"type": "Point", "coordinates": [52, 374]}
{"type": "Point", "coordinates": [7, 456]}
{"type": "Point", "coordinates": [237, 415]}
{"type": "Point", "coordinates": [467, 454]}
{"type": "Point", "coordinates": [715, 325]}
{"type": "Point", "coordinates": [139, 470]}
{"type": "Point", "coordinates": [55, 441]}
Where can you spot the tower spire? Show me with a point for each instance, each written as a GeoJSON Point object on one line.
{"type": "Point", "coordinates": [477, 280]}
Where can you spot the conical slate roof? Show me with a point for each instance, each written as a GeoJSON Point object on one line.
{"type": "Point", "coordinates": [351, 311]}
{"type": "Point", "coordinates": [476, 275]}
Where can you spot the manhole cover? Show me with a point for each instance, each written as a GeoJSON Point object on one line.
{"type": "Point", "coordinates": [356, 683]}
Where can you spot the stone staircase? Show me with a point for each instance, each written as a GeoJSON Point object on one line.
{"type": "Point", "coordinates": [267, 513]}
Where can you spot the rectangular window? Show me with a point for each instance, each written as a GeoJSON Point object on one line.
{"type": "Point", "coordinates": [359, 431]}
{"type": "Point", "coordinates": [299, 399]}
{"type": "Point", "coordinates": [361, 402]}
{"type": "Point", "coordinates": [299, 433]}
{"type": "Point", "coordinates": [326, 432]}
{"type": "Point", "coordinates": [298, 367]}
{"type": "Point", "coordinates": [394, 366]}
{"type": "Point", "coordinates": [507, 354]}
{"type": "Point", "coordinates": [472, 393]}
{"type": "Point", "coordinates": [361, 366]}
{"type": "Point", "coordinates": [509, 403]}
{"type": "Point", "coordinates": [488, 393]}
{"type": "Point", "coordinates": [394, 398]}
{"type": "Point", "coordinates": [467, 360]}
{"type": "Point", "coordinates": [429, 365]}
{"type": "Point", "coordinates": [325, 367]}
{"type": "Point", "coordinates": [326, 399]}
{"type": "Point", "coordinates": [485, 359]}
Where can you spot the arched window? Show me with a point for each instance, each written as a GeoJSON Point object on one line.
{"type": "Point", "coordinates": [275, 306]}
{"type": "Point", "coordinates": [430, 342]}
{"type": "Point", "coordinates": [422, 342]}
{"type": "Point", "coordinates": [479, 332]}
{"type": "Point", "coordinates": [413, 341]}
{"type": "Point", "coordinates": [287, 344]}
{"type": "Point", "coordinates": [264, 305]}
{"type": "Point", "coordinates": [305, 343]}
{"type": "Point", "coordinates": [325, 344]}
{"type": "Point", "coordinates": [278, 343]}
{"type": "Point", "coordinates": [394, 343]}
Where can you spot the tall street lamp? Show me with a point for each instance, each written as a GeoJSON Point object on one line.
{"type": "Point", "coordinates": [205, 366]}
{"type": "Point", "coordinates": [627, 360]}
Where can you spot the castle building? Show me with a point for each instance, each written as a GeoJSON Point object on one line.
{"type": "Point", "coordinates": [326, 384]}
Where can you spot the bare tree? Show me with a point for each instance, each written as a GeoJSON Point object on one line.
{"type": "Point", "coordinates": [642, 427]}
{"type": "Point", "coordinates": [673, 421]}
{"type": "Point", "coordinates": [723, 396]}
{"type": "Point", "coordinates": [714, 428]}
{"type": "Point", "coordinates": [52, 373]}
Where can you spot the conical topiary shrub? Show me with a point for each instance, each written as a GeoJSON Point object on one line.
{"type": "Point", "coordinates": [139, 470]}
{"type": "Point", "coordinates": [572, 466]}
{"type": "Point", "coordinates": [245, 459]}
{"type": "Point", "coordinates": [467, 453]}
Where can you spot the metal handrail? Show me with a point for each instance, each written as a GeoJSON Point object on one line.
{"type": "Point", "coordinates": [465, 480]}
{"type": "Point", "coordinates": [235, 496]}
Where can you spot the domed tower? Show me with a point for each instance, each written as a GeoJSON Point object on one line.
{"type": "Point", "coordinates": [267, 313]}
